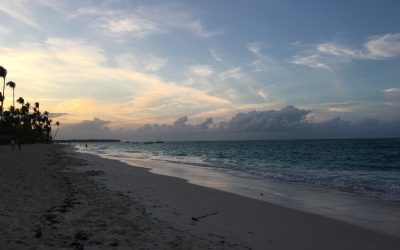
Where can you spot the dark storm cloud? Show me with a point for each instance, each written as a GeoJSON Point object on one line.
{"type": "Point", "coordinates": [287, 123]}
{"type": "Point", "coordinates": [287, 118]}
{"type": "Point", "coordinates": [88, 129]}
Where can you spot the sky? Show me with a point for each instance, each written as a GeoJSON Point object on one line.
{"type": "Point", "coordinates": [203, 70]}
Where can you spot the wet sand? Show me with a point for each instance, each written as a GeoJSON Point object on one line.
{"type": "Point", "coordinates": [55, 198]}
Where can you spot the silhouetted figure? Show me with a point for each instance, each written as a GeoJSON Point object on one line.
{"type": "Point", "coordinates": [12, 142]}
{"type": "Point", "coordinates": [19, 143]}
{"type": "Point", "coordinates": [86, 145]}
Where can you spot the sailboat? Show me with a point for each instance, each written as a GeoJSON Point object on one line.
{"type": "Point", "coordinates": [159, 140]}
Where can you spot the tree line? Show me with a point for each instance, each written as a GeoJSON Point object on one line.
{"type": "Point", "coordinates": [25, 121]}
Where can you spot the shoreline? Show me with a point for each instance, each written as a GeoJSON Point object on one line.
{"type": "Point", "coordinates": [267, 223]}
{"type": "Point", "coordinates": [82, 200]}
{"type": "Point", "coordinates": [367, 212]}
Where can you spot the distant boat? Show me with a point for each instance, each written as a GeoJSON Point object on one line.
{"type": "Point", "coordinates": [159, 140]}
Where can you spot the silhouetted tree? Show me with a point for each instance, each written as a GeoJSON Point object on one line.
{"type": "Point", "coordinates": [26, 122]}
{"type": "Point", "coordinates": [3, 73]}
{"type": "Point", "coordinates": [12, 85]}
{"type": "Point", "coordinates": [21, 100]}
{"type": "Point", "coordinates": [58, 126]}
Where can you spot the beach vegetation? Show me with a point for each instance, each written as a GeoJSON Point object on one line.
{"type": "Point", "coordinates": [12, 85]}
{"type": "Point", "coordinates": [58, 126]}
{"type": "Point", "coordinates": [26, 122]}
{"type": "Point", "coordinates": [3, 74]}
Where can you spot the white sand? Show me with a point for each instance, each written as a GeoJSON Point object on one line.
{"type": "Point", "coordinates": [50, 202]}
{"type": "Point", "coordinates": [43, 206]}
{"type": "Point", "coordinates": [240, 222]}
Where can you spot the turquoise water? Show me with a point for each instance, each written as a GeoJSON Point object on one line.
{"type": "Point", "coordinates": [367, 167]}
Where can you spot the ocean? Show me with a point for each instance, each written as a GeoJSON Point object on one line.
{"type": "Point", "coordinates": [368, 167]}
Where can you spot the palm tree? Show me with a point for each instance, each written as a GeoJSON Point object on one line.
{"type": "Point", "coordinates": [3, 73]}
{"type": "Point", "coordinates": [58, 126]}
{"type": "Point", "coordinates": [37, 106]}
{"type": "Point", "coordinates": [12, 85]}
{"type": "Point", "coordinates": [21, 101]}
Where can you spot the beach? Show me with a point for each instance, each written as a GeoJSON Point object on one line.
{"type": "Point", "coordinates": [56, 198]}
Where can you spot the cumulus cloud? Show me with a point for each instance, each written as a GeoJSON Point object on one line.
{"type": "Point", "coordinates": [178, 130]}
{"type": "Point", "coordinates": [267, 121]}
{"type": "Point", "coordinates": [289, 122]}
{"type": "Point", "coordinates": [180, 125]}
{"type": "Point", "coordinates": [87, 129]}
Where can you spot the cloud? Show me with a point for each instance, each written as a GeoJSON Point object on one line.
{"type": "Point", "coordinates": [338, 50]}
{"type": "Point", "coordinates": [392, 91]}
{"type": "Point", "coordinates": [263, 62]}
{"type": "Point", "coordinates": [385, 110]}
{"type": "Point", "coordinates": [287, 118]}
{"type": "Point", "coordinates": [393, 95]}
{"type": "Point", "coordinates": [87, 129]}
{"type": "Point", "coordinates": [4, 30]}
{"type": "Point", "coordinates": [133, 25]}
{"type": "Point", "coordinates": [264, 94]}
{"type": "Point", "coordinates": [181, 122]}
{"type": "Point", "coordinates": [216, 56]}
{"type": "Point", "coordinates": [287, 123]}
{"type": "Point", "coordinates": [138, 61]}
{"type": "Point", "coordinates": [118, 22]}
{"type": "Point", "coordinates": [142, 21]}
{"type": "Point", "coordinates": [312, 61]}
{"type": "Point", "coordinates": [201, 70]}
{"type": "Point", "coordinates": [19, 10]}
{"type": "Point", "coordinates": [178, 130]}
{"type": "Point", "coordinates": [232, 74]}
{"type": "Point", "coordinates": [328, 54]}
{"type": "Point", "coordinates": [53, 4]}
{"type": "Point", "coordinates": [56, 115]}
{"type": "Point", "coordinates": [76, 77]}
{"type": "Point", "coordinates": [255, 48]}
{"type": "Point", "coordinates": [272, 120]}
{"type": "Point", "coordinates": [197, 28]}
{"type": "Point", "coordinates": [383, 47]}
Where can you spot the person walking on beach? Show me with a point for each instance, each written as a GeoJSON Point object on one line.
{"type": "Point", "coordinates": [19, 143]}
{"type": "Point", "coordinates": [12, 142]}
